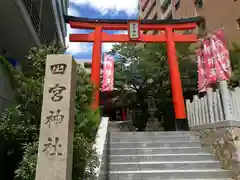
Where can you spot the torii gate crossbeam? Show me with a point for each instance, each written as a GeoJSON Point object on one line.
{"type": "Point", "coordinates": [168, 36]}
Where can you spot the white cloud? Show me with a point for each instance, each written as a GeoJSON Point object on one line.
{"type": "Point", "coordinates": [73, 12]}
{"type": "Point", "coordinates": [106, 47]}
{"type": "Point", "coordinates": [76, 47]}
{"type": "Point", "coordinates": [104, 6]}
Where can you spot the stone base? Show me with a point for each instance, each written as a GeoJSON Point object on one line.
{"type": "Point", "coordinates": [182, 125]}
{"type": "Point", "coordinates": [224, 140]}
{"type": "Point", "coordinates": [154, 125]}
{"type": "Point", "coordinates": [121, 126]}
{"type": "Point", "coordinates": [222, 124]}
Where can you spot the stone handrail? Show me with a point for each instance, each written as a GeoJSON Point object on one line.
{"type": "Point", "coordinates": [100, 145]}
{"type": "Point", "coordinates": [217, 106]}
{"type": "Point", "coordinates": [215, 117]}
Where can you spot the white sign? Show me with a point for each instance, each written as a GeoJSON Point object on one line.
{"type": "Point", "coordinates": [134, 30]}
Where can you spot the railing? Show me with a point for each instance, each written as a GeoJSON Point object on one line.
{"type": "Point", "coordinates": [101, 147]}
{"type": "Point", "coordinates": [218, 105]}
{"type": "Point", "coordinates": [33, 13]}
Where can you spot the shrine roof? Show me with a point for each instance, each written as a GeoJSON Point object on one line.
{"type": "Point", "coordinates": [196, 19]}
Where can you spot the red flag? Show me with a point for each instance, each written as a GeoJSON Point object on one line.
{"type": "Point", "coordinates": [108, 73]}
{"type": "Point", "coordinates": [221, 56]}
{"type": "Point", "coordinates": [210, 71]}
{"type": "Point", "coordinates": [202, 84]}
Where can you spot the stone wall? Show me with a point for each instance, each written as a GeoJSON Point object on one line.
{"type": "Point", "coordinates": [225, 144]}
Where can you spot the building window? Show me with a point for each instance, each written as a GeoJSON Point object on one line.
{"type": "Point", "coordinates": [144, 4]}
{"type": "Point", "coordinates": [166, 5]}
{"type": "Point", "coordinates": [155, 17]}
{"type": "Point", "coordinates": [177, 5]}
{"type": "Point", "coordinates": [150, 9]}
{"type": "Point", "coordinates": [199, 3]}
{"type": "Point", "coordinates": [169, 17]}
{"type": "Point", "coordinates": [238, 23]}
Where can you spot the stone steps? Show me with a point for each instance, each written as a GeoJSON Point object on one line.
{"type": "Point", "coordinates": [155, 144]}
{"type": "Point", "coordinates": [168, 174]}
{"type": "Point", "coordinates": [183, 165]}
{"type": "Point", "coordinates": [176, 150]}
{"type": "Point", "coordinates": [161, 155]}
{"type": "Point", "coordinates": [154, 138]}
{"type": "Point", "coordinates": [152, 134]}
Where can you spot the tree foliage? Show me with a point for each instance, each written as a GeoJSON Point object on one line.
{"type": "Point", "coordinates": [143, 69]}
{"type": "Point", "coordinates": [235, 56]}
{"type": "Point", "coordinates": [19, 124]}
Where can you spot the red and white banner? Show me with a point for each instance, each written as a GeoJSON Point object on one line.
{"type": "Point", "coordinates": [221, 56]}
{"type": "Point", "coordinates": [202, 84]}
{"type": "Point", "coordinates": [216, 66]}
{"type": "Point", "coordinates": [108, 73]}
{"type": "Point", "coordinates": [209, 64]}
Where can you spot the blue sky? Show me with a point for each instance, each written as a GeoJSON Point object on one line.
{"type": "Point", "coordinates": [114, 9]}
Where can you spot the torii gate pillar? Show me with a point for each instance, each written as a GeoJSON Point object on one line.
{"type": "Point", "coordinates": [176, 84]}
{"type": "Point", "coordinates": [169, 37]}
{"type": "Point", "coordinates": [96, 65]}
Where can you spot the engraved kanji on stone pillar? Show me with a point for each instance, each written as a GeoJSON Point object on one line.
{"type": "Point", "coordinates": [57, 120]}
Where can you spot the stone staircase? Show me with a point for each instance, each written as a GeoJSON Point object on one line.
{"type": "Point", "coordinates": [161, 155]}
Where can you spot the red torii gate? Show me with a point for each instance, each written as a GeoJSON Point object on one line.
{"type": "Point", "coordinates": [168, 36]}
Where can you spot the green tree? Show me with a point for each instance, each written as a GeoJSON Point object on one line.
{"type": "Point", "coordinates": [19, 125]}
{"type": "Point", "coordinates": [235, 56]}
{"type": "Point", "coordinates": [143, 69]}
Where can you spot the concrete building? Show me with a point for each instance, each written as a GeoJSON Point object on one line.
{"type": "Point", "coordinates": [30, 22]}
{"type": "Point", "coordinates": [24, 23]}
{"type": "Point", "coordinates": [217, 14]}
{"type": "Point", "coordinates": [85, 64]}
{"type": "Point", "coordinates": [155, 9]}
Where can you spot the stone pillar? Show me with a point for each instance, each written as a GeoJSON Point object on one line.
{"type": "Point", "coordinates": [196, 110]}
{"type": "Point", "coordinates": [236, 93]}
{"type": "Point", "coordinates": [210, 104]}
{"type": "Point", "coordinates": [206, 109]}
{"type": "Point", "coordinates": [215, 107]}
{"type": "Point", "coordinates": [55, 149]}
{"type": "Point", "coordinates": [226, 100]}
{"type": "Point", "coordinates": [219, 102]}
{"type": "Point", "coordinates": [188, 107]}
{"type": "Point", "coordinates": [203, 120]}
{"type": "Point", "coordinates": [193, 113]}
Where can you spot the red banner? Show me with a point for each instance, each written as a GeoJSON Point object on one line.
{"type": "Point", "coordinates": [202, 84]}
{"type": "Point", "coordinates": [217, 64]}
{"type": "Point", "coordinates": [210, 71]}
{"type": "Point", "coordinates": [221, 56]}
{"type": "Point", "coordinates": [108, 73]}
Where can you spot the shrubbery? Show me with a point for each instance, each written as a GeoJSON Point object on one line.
{"type": "Point", "coordinates": [19, 125]}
